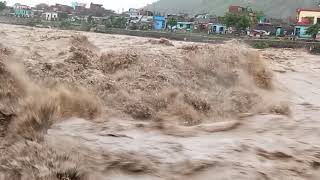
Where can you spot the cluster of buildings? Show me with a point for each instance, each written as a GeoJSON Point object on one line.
{"type": "Point", "coordinates": [58, 11]}
{"type": "Point", "coordinates": [147, 20]}
{"type": "Point", "coordinates": [292, 28]}
{"type": "Point", "coordinates": [142, 18]}
{"type": "Point", "coordinates": [203, 22]}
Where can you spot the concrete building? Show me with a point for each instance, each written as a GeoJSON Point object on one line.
{"type": "Point", "coordinates": [159, 22]}
{"type": "Point", "coordinates": [236, 9]}
{"type": "Point", "coordinates": [202, 16]}
{"type": "Point", "coordinates": [310, 15]}
{"type": "Point", "coordinates": [81, 11]}
{"type": "Point", "coordinates": [62, 8]}
{"type": "Point", "coordinates": [97, 10]}
{"type": "Point", "coordinates": [216, 28]}
{"type": "Point", "coordinates": [185, 26]}
{"type": "Point", "coordinates": [95, 6]}
{"type": "Point", "coordinates": [306, 18]}
{"type": "Point", "coordinates": [132, 13]}
{"type": "Point", "coordinates": [51, 16]}
{"type": "Point", "coordinates": [22, 10]}
{"type": "Point", "coordinates": [300, 32]}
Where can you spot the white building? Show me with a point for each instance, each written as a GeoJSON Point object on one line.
{"type": "Point", "coordinates": [312, 15]}
{"type": "Point", "coordinates": [202, 16]}
{"type": "Point", "coordinates": [51, 16]}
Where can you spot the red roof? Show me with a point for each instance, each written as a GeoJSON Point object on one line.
{"type": "Point", "coordinates": [303, 24]}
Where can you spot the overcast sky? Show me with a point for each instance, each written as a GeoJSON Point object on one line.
{"type": "Point", "coordinates": [116, 5]}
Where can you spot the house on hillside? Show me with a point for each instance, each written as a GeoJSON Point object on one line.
{"type": "Point", "coordinates": [80, 9]}
{"type": "Point", "coordinates": [39, 9]}
{"type": "Point", "coordinates": [50, 16]}
{"type": "Point", "coordinates": [236, 9]}
{"type": "Point", "coordinates": [37, 12]}
{"type": "Point", "coordinates": [202, 21]}
{"type": "Point", "coordinates": [22, 10]}
{"type": "Point", "coordinates": [263, 20]}
{"type": "Point", "coordinates": [185, 26]}
{"type": "Point", "coordinates": [97, 10]}
{"type": "Point", "coordinates": [132, 13]}
{"type": "Point", "coordinates": [305, 19]}
{"type": "Point", "coordinates": [265, 29]}
{"type": "Point", "coordinates": [202, 16]}
{"type": "Point", "coordinates": [264, 26]}
{"type": "Point", "coordinates": [179, 17]}
{"type": "Point", "coordinates": [300, 31]}
{"type": "Point", "coordinates": [62, 8]}
{"type": "Point", "coordinates": [56, 12]}
{"type": "Point", "coordinates": [95, 6]}
{"type": "Point", "coordinates": [217, 28]}
{"type": "Point", "coordinates": [141, 19]}
{"type": "Point", "coordinates": [285, 30]}
{"type": "Point", "coordinates": [310, 15]}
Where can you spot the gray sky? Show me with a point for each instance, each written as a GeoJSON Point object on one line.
{"type": "Point", "coordinates": [116, 5]}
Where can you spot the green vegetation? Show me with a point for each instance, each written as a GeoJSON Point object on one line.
{"type": "Point", "coordinates": [172, 22]}
{"type": "Point", "coordinates": [313, 31]}
{"type": "Point", "coordinates": [260, 45]}
{"type": "Point", "coordinates": [85, 26]}
{"type": "Point", "coordinates": [65, 24]}
{"type": "Point", "coordinates": [258, 14]}
{"type": "Point", "coordinates": [63, 16]}
{"type": "Point", "coordinates": [90, 19]}
{"type": "Point", "coordinates": [115, 22]}
{"type": "Point", "coordinates": [3, 5]}
{"type": "Point", "coordinates": [241, 22]}
{"type": "Point", "coordinates": [118, 22]}
{"type": "Point", "coordinates": [34, 22]}
{"type": "Point", "coordinates": [269, 43]}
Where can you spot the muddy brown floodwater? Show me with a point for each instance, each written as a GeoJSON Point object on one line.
{"type": "Point", "coordinates": [76, 105]}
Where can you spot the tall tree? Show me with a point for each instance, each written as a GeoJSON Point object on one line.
{"type": "Point", "coordinates": [118, 22]}
{"type": "Point", "coordinates": [313, 31]}
{"type": "Point", "coordinates": [239, 21]}
{"type": "Point", "coordinates": [172, 22]}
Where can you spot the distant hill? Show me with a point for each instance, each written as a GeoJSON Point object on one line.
{"type": "Point", "coordinates": [272, 8]}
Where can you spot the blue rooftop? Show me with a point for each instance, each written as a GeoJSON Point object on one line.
{"type": "Point", "coordinates": [159, 18]}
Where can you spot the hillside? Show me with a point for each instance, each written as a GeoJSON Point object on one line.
{"type": "Point", "coordinates": [272, 8]}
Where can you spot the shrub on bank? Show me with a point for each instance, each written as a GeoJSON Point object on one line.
{"type": "Point", "coordinates": [260, 45]}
